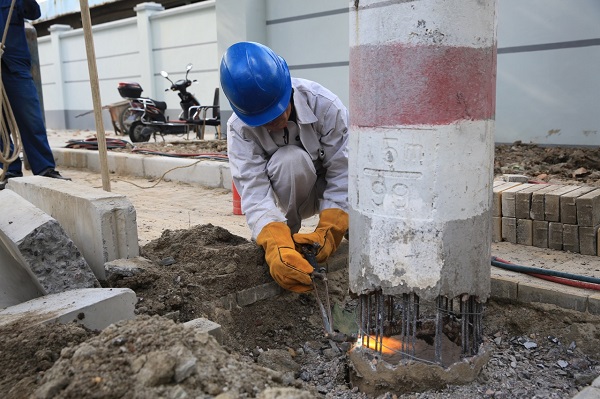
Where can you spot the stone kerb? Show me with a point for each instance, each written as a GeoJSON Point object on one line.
{"type": "Point", "coordinates": [207, 173]}
{"type": "Point", "coordinates": [38, 256]}
{"type": "Point", "coordinates": [103, 225]}
{"type": "Point", "coordinates": [95, 308]}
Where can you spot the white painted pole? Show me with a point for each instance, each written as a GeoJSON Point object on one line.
{"type": "Point", "coordinates": [422, 90]}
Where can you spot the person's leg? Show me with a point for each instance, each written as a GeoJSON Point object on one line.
{"type": "Point", "coordinates": [25, 105]}
{"type": "Point", "coordinates": [293, 177]}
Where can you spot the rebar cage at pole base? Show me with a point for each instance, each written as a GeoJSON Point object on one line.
{"type": "Point", "coordinates": [404, 328]}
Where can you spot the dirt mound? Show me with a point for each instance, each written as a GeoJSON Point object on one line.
{"type": "Point", "coordinates": [26, 353]}
{"type": "Point", "coordinates": [577, 165]}
{"type": "Point", "coordinates": [152, 357]}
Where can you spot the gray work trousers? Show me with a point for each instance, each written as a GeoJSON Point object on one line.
{"type": "Point", "coordinates": [297, 184]}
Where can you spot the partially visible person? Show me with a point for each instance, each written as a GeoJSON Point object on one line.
{"type": "Point", "coordinates": [22, 94]}
{"type": "Point", "coordinates": [287, 146]}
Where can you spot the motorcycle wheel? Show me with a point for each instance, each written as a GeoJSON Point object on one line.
{"type": "Point", "coordinates": [136, 133]}
{"type": "Point", "coordinates": [125, 114]}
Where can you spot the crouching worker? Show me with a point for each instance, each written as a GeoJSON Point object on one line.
{"type": "Point", "coordinates": [287, 146]}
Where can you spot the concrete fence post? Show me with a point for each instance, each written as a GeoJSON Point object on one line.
{"type": "Point", "coordinates": [144, 12]}
{"type": "Point", "coordinates": [58, 76]}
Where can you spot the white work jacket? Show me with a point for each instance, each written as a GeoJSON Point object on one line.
{"type": "Point", "coordinates": [323, 129]}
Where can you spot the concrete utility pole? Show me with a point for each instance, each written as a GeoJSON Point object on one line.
{"type": "Point", "coordinates": [422, 89]}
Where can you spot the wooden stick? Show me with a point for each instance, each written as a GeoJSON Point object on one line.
{"type": "Point", "coordinates": [91, 58]}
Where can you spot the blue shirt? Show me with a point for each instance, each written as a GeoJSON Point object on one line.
{"type": "Point", "coordinates": [16, 52]}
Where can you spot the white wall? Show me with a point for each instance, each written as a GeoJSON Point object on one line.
{"type": "Point", "coordinates": [548, 52]}
{"type": "Point", "coordinates": [548, 90]}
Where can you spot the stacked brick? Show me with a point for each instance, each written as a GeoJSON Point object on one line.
{"type": "Point", "coordinates": [562, 217]}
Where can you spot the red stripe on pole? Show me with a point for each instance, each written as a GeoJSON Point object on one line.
{"type": "Point", "coordinates": [399, 85]}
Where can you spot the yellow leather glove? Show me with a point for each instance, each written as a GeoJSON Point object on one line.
{"type": "Point", "coordinates": [333, 224]}
{"type": "Point", "coordinates": [288, 268]}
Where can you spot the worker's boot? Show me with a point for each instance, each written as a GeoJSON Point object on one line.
{"type": "Point", "coordinates": [53, 174]}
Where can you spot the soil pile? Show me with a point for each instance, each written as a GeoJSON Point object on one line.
{"type": "Point", "coordinates": [577, 165]}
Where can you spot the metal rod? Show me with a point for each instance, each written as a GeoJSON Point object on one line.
{"type": "Point", "coordinates": [438, 330]}
{"type": "Point", "coordinates": [414, 329]}
{"type": "Point", "coordinates": [368, 319]}
{"type": "Point", "coordinates": [381, 319]}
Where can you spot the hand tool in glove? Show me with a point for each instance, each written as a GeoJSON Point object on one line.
{"type": "Point", "coordinates": [333, 224]}
{"type": "Point", "coordinates": [287, 266]}
{"type": "Point", "coordinates": [309, 252]}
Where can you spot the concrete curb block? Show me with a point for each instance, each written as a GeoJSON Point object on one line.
{"type": "Point", "coordinates": [102, 224]}
{"type": "Point", "coordinates": [35, 240]}
{"type": "Point", "coordinates": [528, 289]}
{"type": "Point", "coordinates": [95, 308]}
{"type": "Point", "coordinates": [213, 174]}
{"type": "Point", "coordinates": [591, 392]}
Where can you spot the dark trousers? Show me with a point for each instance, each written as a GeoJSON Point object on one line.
{"type": "Point", "coordinates": [26, 108]}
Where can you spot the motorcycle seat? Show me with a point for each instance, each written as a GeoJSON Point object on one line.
{"type": "Point", "coordinates": [160, 105]}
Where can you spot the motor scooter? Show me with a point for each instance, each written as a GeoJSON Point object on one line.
{"type": "Point", "coordinates": [145, 117]}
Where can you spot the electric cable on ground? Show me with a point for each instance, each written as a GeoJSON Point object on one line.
{"type": "Point", "coordinates": [551, 275]}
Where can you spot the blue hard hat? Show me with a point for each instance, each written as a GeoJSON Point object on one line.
{"type": "Point", "coordinates": [256, 81]}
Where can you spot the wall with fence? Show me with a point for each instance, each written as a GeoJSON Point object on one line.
{"type": "Point", "coordinates": [548, 52]}
{"type": "Point", "coordinates": [138, 49]}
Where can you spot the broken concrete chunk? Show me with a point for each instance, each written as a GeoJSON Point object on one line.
{"type": "Point", "coordinates": [120, 268]}
{"type": "Point", "coordinates": [102, 224]}
{"type": "Point", "coordinates": [39, 244]}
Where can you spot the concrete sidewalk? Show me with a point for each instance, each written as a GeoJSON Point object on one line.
{"type": "Point", "coordinates": [505, 284]}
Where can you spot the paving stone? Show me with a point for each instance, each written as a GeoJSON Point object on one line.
{"type": "Point", "coordinates": [571, 238]}
{"type": "Point", "coordinates": [523, 200]}
{"type": "Point", "coordinates": [588, 208]}
{"type": "Point", "coordinates": [509, 208]}
{"type": "Point", "coordinates": [509, 229]}
{"type": "Point", "coordinates": [568, 205]}
{"type": "Point", "coordinates": [254, 294]}
{"type": "Point", "coordinates": [204, 325]}
{"type": "Point", "coordinates": [497, 195]}
{"type": "Point", "coordinates": [588, 240]}
{"type": "Point", "coordinates": [552, 203]}
{"type": "Point", "coordinates": [496, 229]}
{"type": "Point", "coordinates": [538, 201]}
{"type": "Point", "coordinates": [555, 235]}
{"type": "Point", "coordinates": [540, 234]}
{"type": "Point", "coordinates": [525, 231]}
